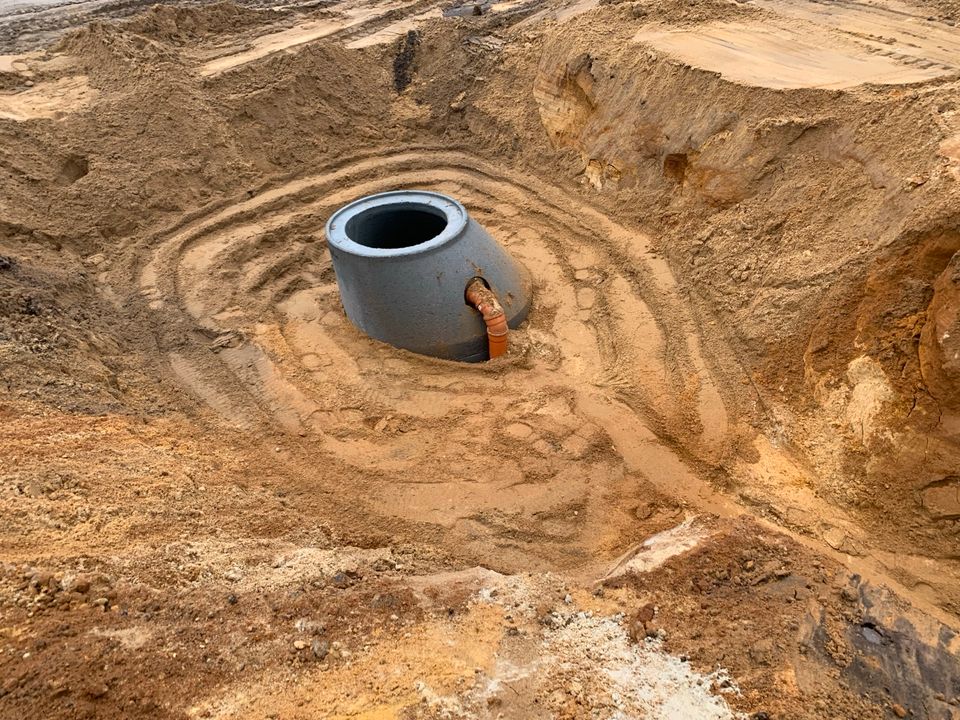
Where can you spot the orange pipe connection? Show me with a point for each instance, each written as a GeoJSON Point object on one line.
{"type": "Point", "coordinates": [482, 298]}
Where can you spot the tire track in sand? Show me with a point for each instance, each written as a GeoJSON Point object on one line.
{"type": "Point", "coordinates": [607, 395]}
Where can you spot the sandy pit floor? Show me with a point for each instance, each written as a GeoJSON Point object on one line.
{"type": "Point", "coordinates": [716, 475]}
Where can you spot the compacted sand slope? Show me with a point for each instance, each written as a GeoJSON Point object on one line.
{"type": "Point", "coordinates": [716, 476]}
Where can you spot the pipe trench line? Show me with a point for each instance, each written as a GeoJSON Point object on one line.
{"type": "Point", "coordinates": [485, 301]}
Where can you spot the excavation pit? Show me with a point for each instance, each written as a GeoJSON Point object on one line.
{"type": "Point", "coordinates": [403, 261]}
{"type": "Point", "coordinates": [694, 365]}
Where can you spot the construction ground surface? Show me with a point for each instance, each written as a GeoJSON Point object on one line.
{"type": "Point", "coordinates": [716, 476]}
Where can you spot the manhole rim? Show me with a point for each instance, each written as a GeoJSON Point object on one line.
{"type": "Point", "coordinates": [453, 211]}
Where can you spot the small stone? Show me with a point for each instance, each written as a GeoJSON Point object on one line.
{"type": "Point", "coordinates": [299, 644]}
{"type": "Point", "coordinates": [383, 565]}
{"type": "Point", "coordinates": [320, 648]}
{"type": "Point", "coordinates": [40, 579]}
{"type": "Point", "coordinates": [232, 599]}
{"type": "Point", "coordinates": [384, 600]}
{"type": "Point", "coordinates": [97, 691]}
{"type": "Point", "coordinates": [311, 627]}
{"type": "Point", "coordinates": [642, 624]}
{"type": "Point", "coordinates": [899, 710]}
{"type": "Point", "coordinates": [458, 103]}
{"type": "Point", "coordinates": [555, 620]}
{"type": "Point", "coordinates": [872, 635]}
{"type": "Point", "coordinates": [848, 594]}
{"type": "Point", "coordinates": [101, 602]}
{"type": "Point", "coordinates": [341, 580]}
{"type": "Point", "coordinates": [233, 575]}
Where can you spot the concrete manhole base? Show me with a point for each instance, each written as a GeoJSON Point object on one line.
{"type": "Point", "coordinates": [403, 262]}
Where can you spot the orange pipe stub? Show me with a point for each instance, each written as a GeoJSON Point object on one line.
{"type": "Point", "coordinates": [483, 299]}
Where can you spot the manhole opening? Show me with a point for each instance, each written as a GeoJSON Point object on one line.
{"type": "Point", "coordinates": [392, 227]}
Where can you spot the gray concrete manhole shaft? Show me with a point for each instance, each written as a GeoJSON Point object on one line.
{"type": "Point", "coordinates": [403, 262]}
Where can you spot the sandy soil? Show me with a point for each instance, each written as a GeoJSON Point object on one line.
{"type": "Point", "coordinates": [716, 476]}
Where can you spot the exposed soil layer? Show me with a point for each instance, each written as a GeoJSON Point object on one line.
{"type": "Point", "coordinates": [718, 472]}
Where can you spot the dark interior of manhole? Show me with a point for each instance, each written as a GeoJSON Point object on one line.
{"type": "Point", "coordinates": [389, 228]}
